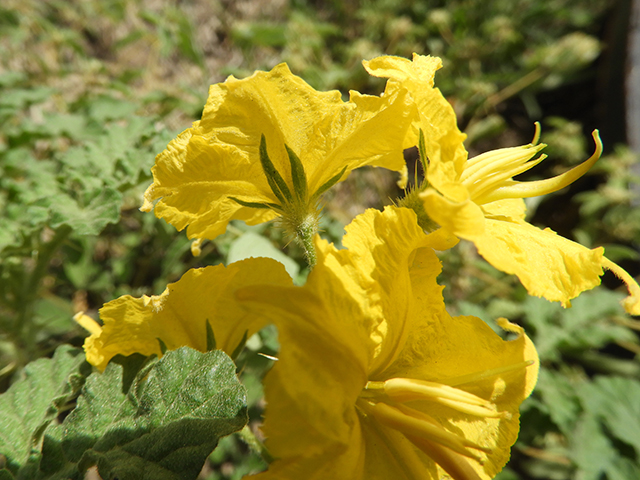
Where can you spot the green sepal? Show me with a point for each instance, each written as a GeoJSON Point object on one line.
{"type": "Point", "coordinates": [422, 151]}
{"type": "Point", "coordinates": [240, 346]}
{"type": "Point", "coordinates": [163, 346]}
{"type": "Point", "coordinates": [211, 338]}
{"type": "Point", "coordinates": [298, 176]}
{"type": "Point", "coordinates": [276, 182]}
{"type": "Point", "coordinates": [273, 206]}
{"type": "Point", "coordinates": [330, 183]}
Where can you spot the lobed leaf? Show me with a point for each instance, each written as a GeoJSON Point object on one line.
{"type": "Point", "coordinates": [88, 219]}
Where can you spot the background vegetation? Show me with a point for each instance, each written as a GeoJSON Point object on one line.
{"type": "Point", "coordinates": [91, 91]}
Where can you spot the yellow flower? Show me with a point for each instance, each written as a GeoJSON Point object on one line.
{"type": "Point", "coordinates": [478, 199]}
{"type": "Point", "coordinates": [270, 145]}
{"type": "Point", "coordinates": [180, 314]}
{"type": "Point", "coordinates": [374, 379]}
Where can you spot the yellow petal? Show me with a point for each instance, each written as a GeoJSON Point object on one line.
{"type": "Point", "coordinates": [547, 264]}
{"type": "Point", "coordinates": [218, 157]}
{"type": "Point", "coordinates": [371, 312]}
{"type": "Point", "coordinates": [436, 118]}
{"type": "Point", "coordinates": [421, 69]}
{"type": "Point", "coordinates": [178, 317]}
{"type": "Point", "coordinates": [465, 353]}
{"type": "Point", "coordinates": [632, 302]}
{"type": "Point", "coordinates": [464, 219]}
{"type": "Point", "coordinates": [349, 317]}
{"type": "Point", "coordinates": [337, 461]}
{"type": "Point", "coordinates": [194, 186]}
{"type": "Point", "coordinates": [375, 266]}
{"type": "Point", "coordinates": [309, 407]}
{"type": "Point", "coordinates": [88, 323]}
{"type": "Point", "coordinates": [509, 208]}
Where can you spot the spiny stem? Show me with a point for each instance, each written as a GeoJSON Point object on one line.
{"type": "Point", "coordinates": [256, 445]}
{"type": "Point", "coordinates": [305, 233]}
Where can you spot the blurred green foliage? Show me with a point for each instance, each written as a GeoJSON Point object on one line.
{"type": "Point", "coordinates": [91, 91]}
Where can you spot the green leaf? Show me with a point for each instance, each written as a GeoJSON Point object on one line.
{"type": "Point", "coordinates": [34, 401]}
{"type": "Point", "coordinates": [615, 402]}
{"type": "Point", "coordinates": [89, 219]}
{"type": "Point", "coordinates": [164, 428]}
{"type": "Point", "coordinates": [131, 366]}
{"type": "Point", "coordinates": [9, 234]}
{"type": "Point", "coordinates": [105, 108]}
{"type": "Point", "coordinates": [276, 182]}
{"type": "Point", "coordinates": [590, 449]}
{"type": "Point", "coordinates": [259, 33]}
{"type": "Point", "coordinates": [52, 315]}
{"type": "Point", "coordinates": [583, 327]}
{"type": "Point", "coordinates": [558, 393]}
{"type": "Point", "coordinates": [27, 178]}
{"type": "Point", "coordinates": [116, 157]}
{"type": "Point", "coordinates": [623, 468]}
{"type": "Point", "coordinates": [298, 176]}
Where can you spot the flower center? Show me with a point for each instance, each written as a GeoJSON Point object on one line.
{"type": "Point", "coordinates": [383, 404]}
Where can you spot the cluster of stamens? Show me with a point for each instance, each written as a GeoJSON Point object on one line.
{"type": "Point", "coordinates": [385, 404]}
{"type": "Point", "coordinates": [488, 177]}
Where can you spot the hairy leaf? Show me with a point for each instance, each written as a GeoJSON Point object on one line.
{"type": "Point", "coordinates": [87, 219]}
{"type": "Point", "coordinates": [163, 428]}
{"type": "Point", "coordinates": [35, 400]}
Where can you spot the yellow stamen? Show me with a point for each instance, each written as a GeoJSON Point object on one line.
{"type": "Point", "coordinates": [407, 457]}
{"type": "Point", "coordinates": [498, 179]}
{"type": "Point", "coordinates": [631, 303]}
{"type": "Point", "coordinates": [412, 412]}
{"type": "Point", "coordinates": [418, 424]}
{"type": "Point", "coordinates": [471, 409]}
{"type": "Point", "coordinates": [407, 390]}
{"type": "Point", "coordinates": [88, 323]}
{"type": "Point", "coordinates": [451, 462]}
{"type": "Point", "coordinates": [495, 161]}
{"type": "Point", "coordinates": [542, 187]}
{"type": "Point", "coordinates": [536, 135]}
